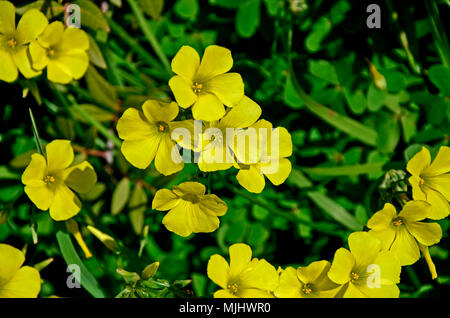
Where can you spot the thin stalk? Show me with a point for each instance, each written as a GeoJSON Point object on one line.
{"type": "Point", "coordinates": [148, 32]}
{"type": "Point", "coordinates": [290, 217]}
{"type": "Point", "coordinates": [36, 133]}
{"type": "Point", "coordinates": [439, 34]}
{"type": "Point", "coordinates": [136, 47]}
{"type": "Point", "coordinates": [102, 129]}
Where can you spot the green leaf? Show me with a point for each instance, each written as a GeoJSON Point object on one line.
{"type": "Point", "coordinates": [323, 70]}
{"type": "Point", "coordinates": [334, 210]}
{"type": "Point", "coordinates": [229, 4]}
{"type": "Point", "coordinates": [395, 80]}
{"type": "Point", "coordinates": [5, 174]}
{"type": "Point", "coordinates": [389, 133]}
{"type": "Point", "coordinates": [101, 90]}
{"type": "Point", "coordinates": [137, 206]}
{"type": "Point", "coordinates": [95, 112]}
{"type": "Point", "coordinates": [152, 7]}
{"type": "Point", "coordinates": [350, 170]}
{"type": "Point", "coordinates": [53, 10]}
{"type": "Point", "coordinates": [319, 31]}
{"type": "Point", "coordinates": [298, 178]}
{"type": "Point", "coordinates": [87, 280]}
{"type": "Point", "coordinates": [408, 121]}
{"type": "Point", "coordinates": [440, 76]}
{"type": "Point", "coordinates": [120, 196]}
{"type": "Point", "coordinates": [357, 101]}
{"type": "Point", "coordinates": [91, 15]}
{"type": "Point", "coordinates": [95, 54]}
{"type": "Point", "coordinates": [187, 9]}
{"type": "Point", "coordinates": [375, 98]}
{"type": "Point", "coordinates": [248, 18]}
{"type": "Point", "coordinates": [411, 151]}
{"type": "Point", "coordinates": [290, 96]}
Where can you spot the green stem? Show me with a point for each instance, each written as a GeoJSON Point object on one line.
{"type": "Point", "coordinates": [439, 34]}
{"type": "Point", "coordinates": [290, 217]}
{"type": "Point", "coordinates": [36, 133]}
{"type": "Point", "coordinates": [148, 32]}
{"type": "Point", "coordinates": [102, 129]}
{"type": "Point", "coordinates": [136, 47]}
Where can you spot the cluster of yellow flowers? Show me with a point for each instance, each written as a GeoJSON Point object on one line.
{"type": "Point", "coordinates": [371, 266]}
{"type": "Point", "coordinates": [218, 103]}
{"type": "Point", "coordinates": [35, 44]}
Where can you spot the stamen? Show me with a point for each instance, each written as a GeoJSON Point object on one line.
{"type": "Point", "coordinates": [49, 179]}
{"type": "Point", "coordinates": [306, 289]}
{"type": "Point", "coordinates": [422, 181]}
{"type": "Point", "coordinates": [234, 288]}
{"type": "Point", "coordinates": [354, 277]}
{"type": "Point", "coordinates": [161, 128]}
{"type": "Point", "coordinates": [51, 52]}
{"type": "Point", "coordinates": [197, 87]}
{"type": "Point", "coordinates": [12, 43]}
{"type": "Point", "coordinates": [397, 221]}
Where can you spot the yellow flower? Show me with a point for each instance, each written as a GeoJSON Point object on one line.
{"type": "Point", "coordinates": [273, 164]}
{"type": "Point", "coordinates": [147, 136]}
{"type": "Point", "coordinates": [191, 210]}
{"type": "Point", "coordinates": [14, 42]}
{"type": "Point", "coordinates": [401, 233]}
{"type": "Point", "coordinates": [206, 85]}
{"type": "Point", "coordinates": [431, 181]}
{"type": "Point", "coordinates": [62, 51]}
{"type": "Point", "coordinates": [365, 270]}
{"type": "Point", "coordinates": [244, 277]}
{"type": "Point", "coordinates": [17, 281]}
{"type": "Point", "coordinates": [243, 115]}
{"type": "Point", "coordinates": [307, 282]}
{"type": "Point", "coordinates": [48, 181]}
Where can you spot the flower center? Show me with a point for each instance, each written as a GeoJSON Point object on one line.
{"type": "Point", "coordinates": [12, 43]}
{"type": "Point", "coordinates": [49, 179]}
{"type": "Point", "coordinates": [51, 52]}
{"type": "Point", "coordinates": [162, 127]}
{"type": "Point", "coordinates": [422, 181]}
{"type": "Point", "coordinates": [306, 289]}
{"type": "Point", "coordinates": [233, 288]}
{"type": "Point", "coordinates": [190, 197]}
{"type": "Point", "coordinates": [397, 221]}
{"type": "Point", "coordinates": [354, 277]}
{"type": "Point", "coordinates": [197, 87]}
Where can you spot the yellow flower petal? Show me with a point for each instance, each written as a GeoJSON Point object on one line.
{"type": "Point", "coordinates": [440, 183]}
{"type": "Point", "coordinates": [417, 192]}
{"type": "Point", "coordinates": [290, 286]}
{"type": "Point", "coordinates": [314, 271]}
{"type": "Point", "coordinates": [254, 293]}
{"type": "Point", "coordinates": [385, 235]}
{"type": "Point", "coordinates": [383, 218]}
{"type": "Point", "coordinates": [156, 111]}
{"type": "Point", "coordinates": [208, 160]}
{"type": "Point", "coordinates": [177, 220]}
{"type": "Point", "coordinates": [283, 172]}
{"type": "Point", "coordinates": [168, 159]}
{"type": "Point", "coordinates": [341, 267]}
{"type": "Point", "coordinates": [65, 204]}
{"type": "Point", "coordinates": [134, 126]}
{"type": "Point", "coordinates": [285, 142]}
{"type": "Point", "coordinates": [26, 283]}
{"type": "Point", "coordinates": [35, 171]}
{"type": "Point", "coordinates": [76, 65]}
{"type": "Point", "coordinates": [405, 247]}
{"type": "Point", "coordinates": [240, 256]}
{"type": "Point", "coordinates": [208, 107]}
{"type": "Point", "coordinates": [229, 88]}
{"type": "Point", "coordinates": [58, 72]}
{"type": "Point", "coordinates": [258, 275]}
{"type": "Point", "coordinates": [8, 69]}
{"type": "Point", "coordinates": [354, 292]}
{"type": "Point", "coordinates": [10, 260]}
{"type": "Point", "coordinates": [182, 90]}
{"type": "Point", "coordinates": [213, 205]}
{"type": "Point", "coordinates": [190, 142]}
{"type": "Point", "coordinates": [74, 40]}
{"type": "Point", "coordinates": [189, 187]}
{"type": "Point", "coordinates": [7, 17]}
{"type": "Point", "coordinates": [440, 164]}
{"type": "Point", "coordinates": [242, 115]}
{"type": "Point", "coordinates": [364, 247]}
{"type": "Point", "coordinates": [218, 270]}
{"type": "Point", "coordinates": [251, 179]}
{"type": "Point", "coordinates": [426, 233]}
{"type": "Point", "coordinates": [32, 23]}
{"type": "Point", "coordinates": [23, 63]}
{"type": "Point", "coordinates": [439, 204]}
{"type": "Point", "coordinates": [42, 196]}
{"type": "Point", "coordinates": [132, 151]}
{"type": "Point", "coordinates": [52, 35]}
{"type": "Point", "coordinates": [38, 55]}
{"type": "Point", "coordinates": [59, 155]}
{"type": "Point", "coordinates": [186, 62]}
{"type": "Point", "coordinates": [81, 177]}
{"type": "Point", "coordinates": [384, 291]}
{"type": "Point", "coordinates": [389, 267]}
{"type": "Point", "coordinates": [419, 162]}
{"type": "Point", "coordinates": [201, 221]}
{"type": "Point", "coordinates": [224, 293]}
{"type": "Point", "coordinates": [415, 211]}
{"type": "Point", "coordinates": [164, 200]}
{"type": "Point", "coordinates": [216, 60]}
